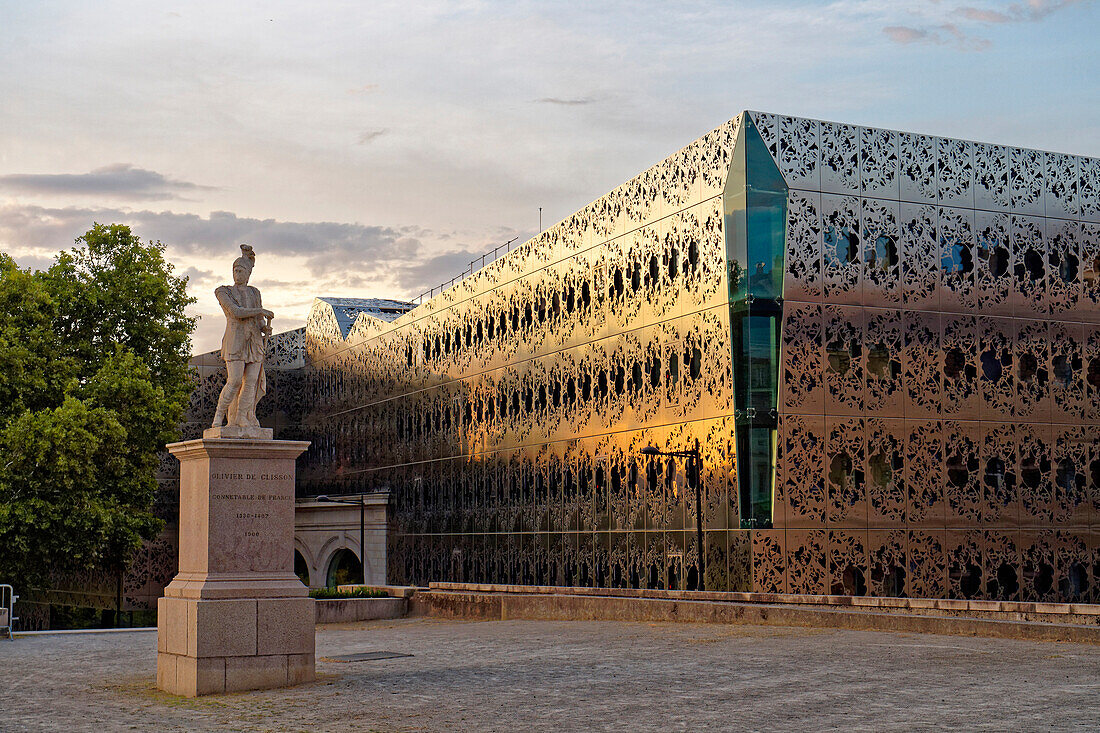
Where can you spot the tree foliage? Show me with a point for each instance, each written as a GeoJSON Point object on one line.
{"type": "Point", "coordinates": [93, 383]}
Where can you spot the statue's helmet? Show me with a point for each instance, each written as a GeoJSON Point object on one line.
{"type": "Point", "coordinates": [247, 259]}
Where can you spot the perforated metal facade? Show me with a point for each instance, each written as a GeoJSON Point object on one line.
{"type": "Point", "coordinates": [885, 345]}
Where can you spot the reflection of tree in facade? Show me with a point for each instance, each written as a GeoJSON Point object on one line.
{"type": "Point", "coordinates": [887, 345]}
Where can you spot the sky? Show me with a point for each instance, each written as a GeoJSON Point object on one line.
{"type": "Point", "coordinates": [372, 149]}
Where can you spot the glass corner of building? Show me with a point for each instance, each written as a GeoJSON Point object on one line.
{"type": "Point", "coordinates": [754, 204]}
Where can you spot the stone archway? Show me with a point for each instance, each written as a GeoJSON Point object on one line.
{"type": "Point", "coordinates": [343, 568]}
{"type": "Point", "coordinates": [301, 568]}
{"type": "Point", "coordinates": [322, 529]}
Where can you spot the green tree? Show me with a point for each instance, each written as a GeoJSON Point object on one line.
{"type": "Point", "coordinates": [113, 289]}
{"type": "Point", "coordinates": [93, 383]}
{"type": "Point", "coordinates": [33, 371]}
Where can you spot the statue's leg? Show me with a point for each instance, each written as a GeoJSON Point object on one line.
{"type": "Point", "coordinates": [231, 389]}
{"type": "Point", "coordinates": [246, 410]}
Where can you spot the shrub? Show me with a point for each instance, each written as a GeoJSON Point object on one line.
{"type": "Point", "coordinates": [354, 593]}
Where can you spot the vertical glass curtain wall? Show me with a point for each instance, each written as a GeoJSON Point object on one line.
{"type": "Point", "coordinates": [755, 211]}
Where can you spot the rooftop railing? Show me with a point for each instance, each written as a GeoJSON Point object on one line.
{"type": "Point", "coordinates": [475, 264]}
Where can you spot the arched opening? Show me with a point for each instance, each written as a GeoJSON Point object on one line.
{"type": "Point", "coordinates": [301, 569]}
{"type": "Point", "coordinates": [343, 569]}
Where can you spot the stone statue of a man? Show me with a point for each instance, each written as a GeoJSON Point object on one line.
{"type": "Point", "coordinates": [247, 322]}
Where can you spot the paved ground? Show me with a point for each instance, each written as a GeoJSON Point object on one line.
{"type": "Point", "coordinates": [560, 676]}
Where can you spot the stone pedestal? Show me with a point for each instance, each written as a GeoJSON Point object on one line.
{"type": "Point", "coordinates": [235, 617]}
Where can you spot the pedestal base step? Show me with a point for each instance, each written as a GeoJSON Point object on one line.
{"type": "Point", "coordinates": [194, 676]}
{"type": "Point", "coordinates": [210, 646]}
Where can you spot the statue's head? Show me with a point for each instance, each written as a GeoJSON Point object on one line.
{"type": "Point", "coordinates": [242, 266]}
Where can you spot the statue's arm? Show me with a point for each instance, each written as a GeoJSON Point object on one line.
{"type": "Point", "coordinates": [268, 315]}
{"type": "Point", "coordinates": [227, 302]}
{"type": "Point", "coordinates": [263, 311]}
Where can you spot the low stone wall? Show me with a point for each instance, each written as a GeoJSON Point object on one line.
{"type": "Point", "coordinates": [346, 610]}
{"type": "Point", "coordinates": [1064, 613]}
{"type": "Point", "coordinates": [563, 604]}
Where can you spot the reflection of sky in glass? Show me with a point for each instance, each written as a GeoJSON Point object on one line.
{"type": "Point", "coordinates": [838, 244]}
{"type": "Point", "coordinates": [953, 258]}
{"type": "Point", "coordinates": [885, 252]}
{"type": "Point", "coordinates": [761, 336]}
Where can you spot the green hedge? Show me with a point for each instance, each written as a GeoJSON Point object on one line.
{"type": "Point", "coordinates": [357, 593]}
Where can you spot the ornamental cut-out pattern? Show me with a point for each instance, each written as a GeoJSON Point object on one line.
{"type": "Point", "coordinates": [800, 478]}
{"type": "Point", "coordinates": [803, 279]}
{"type": "Point", "coordinates": [1067, 375]}
{"type": "Point", "coordinates": [846, 473]}
{"type": "Point", "coordinates": [1063, 186]}
{"type": "Point", "coordinates": [956, 235]}
{"type": "Point", "coordinates": [882, 254]}
{"type": "Point", "coordinates": [799, 152]}
{"type": "Point", "coordinates": [963, 495]}
{"type": "Point", "coordinates": [1065, 251]}
{"type": "Point", "coordinates": [1088, 170]}
{"type": "Point", "coordinates": [841, 256]}
{"type": "Point", "coordinates": [883, 347]}
{"type": "Point", "coordinates": [991, 184]}
{"type": "Point", "coordinates": [887, 555]}
{"type": "Point", "coordinates": [807, 561]}
{"type": "Point", "coordinates": [920, 256]}
{"type": "Point", "coordinates": [927, 564]}
{"type": "Point", "coordinates": [994, 262]}
{"type": "Point", "coordinates": [955, 172]}
{"type": "Point", "coordinates": [885, 475]}
{"type": "Point", "coordinates": [878, 163]}
{"type": "Point", "coordinates": [848, 563]}
{"type": "Point", "coordinates": [917, 166]}
{"type": "Point", "coordinates": [1000, 473]}
{"type": "Point", "coordinates": [802, 376]}
{"type": "Point", "coordinates": [1030, 263]}
{"type": "Point", "coordinates": [839, 158]}
{"type": "Point", "coordinates": [1028, 177]}
{"type": "Point", "coordinates": [965, 564]}
{"type": "Point", "coordinates": [959, 344]}
{"type": "Point", "coordinates": [844, 347]}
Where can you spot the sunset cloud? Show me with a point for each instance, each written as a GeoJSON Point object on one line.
{"type": "Point", "coordinates": [121, 180]}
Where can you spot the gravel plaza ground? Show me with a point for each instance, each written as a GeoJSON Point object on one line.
{"type": "Point", "coordinates": [574, 676]}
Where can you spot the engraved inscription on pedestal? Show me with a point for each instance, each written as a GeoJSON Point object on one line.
{"type": "Point", "coordinates": [250, 519]}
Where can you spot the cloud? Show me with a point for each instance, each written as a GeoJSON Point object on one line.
{"type": "Point", "coordinates": [35, 262]}
{"type": "Point", "coordinates": [368, 135]}
{"type": "Point", "coordinates": [1038, 9]}
{"type": "Point", "coordinates": [119, 180]}
{"type": "Point", "coordinates": [195, 276]}
{"type": "Point", "coordinates": [947, 32]}
{"type": "Point", "coordinates": [296, 260]}
{"type": "Point", "coordinates": [337, 252]}
{"type": "Point", "coordinates": [422, 275]}
{"type": "Point", "coordinates": [941, 35]}
{"type": "Point", "coordinates": [984, 15]}
{"type": "Point", "coordinates": [566, 102]}
{"type": "Point", "coordinates": [905, 34]}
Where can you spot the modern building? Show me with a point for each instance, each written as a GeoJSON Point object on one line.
{"type": "Point", "coordinates": [884, 346]}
